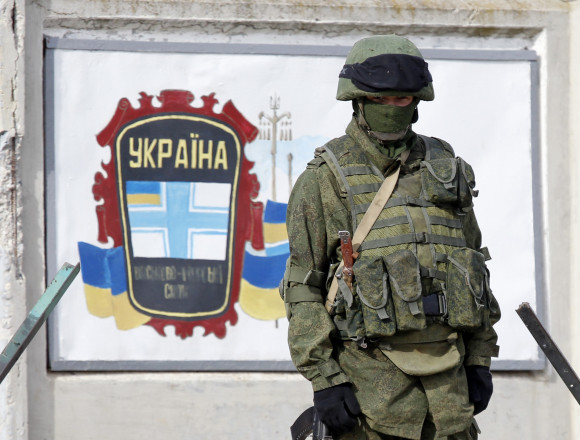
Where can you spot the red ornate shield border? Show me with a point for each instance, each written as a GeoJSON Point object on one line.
{"type": "Point", "coordinates": [249, 212]}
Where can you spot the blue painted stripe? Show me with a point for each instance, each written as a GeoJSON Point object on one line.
{"type": "Point", "coordinates": [143, 187]}
{"type": "Point", "coordinates": [117, 271]}
{"type": "Point", "coordinates": [264, 271]}
{"type": "Point", "coordinates": [283, 248]}
{"type": "Point", "coordinates": [275, 212]}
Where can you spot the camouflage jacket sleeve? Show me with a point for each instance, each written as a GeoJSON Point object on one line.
{"type": "Point", "coordinates": [481, 346]}
{"type": "Point", "coordinates": [315, 214]}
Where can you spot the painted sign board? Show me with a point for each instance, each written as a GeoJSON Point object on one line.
{"type": "Point", "coordinates": [178, 221]}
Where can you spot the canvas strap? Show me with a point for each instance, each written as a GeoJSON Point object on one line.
{"type": "Point", "coordinates": [367, 222]}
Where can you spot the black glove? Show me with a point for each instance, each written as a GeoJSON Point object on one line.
{"type": "Point", "coordinates": [480, 386]}
{"type": "Point", "coordinates": [337, 407]}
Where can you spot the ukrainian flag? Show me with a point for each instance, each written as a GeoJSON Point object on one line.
{"type": "Point", "coordinates": [263, 270]}
{"type": "Point", "coordinates": [144, 193]}
{"type": "Point", "coordinates": [105, 285]}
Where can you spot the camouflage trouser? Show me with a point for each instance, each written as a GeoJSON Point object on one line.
{"type": "Point", "coordinates": [364, 432]}
{"type": "Point", "coordinates": [397, 405]}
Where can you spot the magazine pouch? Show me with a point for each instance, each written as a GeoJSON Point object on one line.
{"type": "Point", "coordinates": [405, 282]}
{"type": "Point", "coordinates": [374, 296]}
{"type": "Point", "coordinates": [466, 290]}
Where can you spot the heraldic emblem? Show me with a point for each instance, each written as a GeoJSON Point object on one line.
{"type": "Point", "coordinates": [176, 199]}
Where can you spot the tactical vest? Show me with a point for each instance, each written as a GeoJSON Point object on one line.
{"type": "Point", "coordinates": [414, 267]}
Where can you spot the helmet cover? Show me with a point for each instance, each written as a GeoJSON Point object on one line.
{"type": "Point", "coordinates": [385, 65]}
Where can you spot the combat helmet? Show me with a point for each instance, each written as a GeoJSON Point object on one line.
{"type": "Point", "coordinates": [385, 65]}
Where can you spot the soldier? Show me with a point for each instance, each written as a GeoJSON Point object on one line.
{"type": "Point", "coordinates": [405, 351]}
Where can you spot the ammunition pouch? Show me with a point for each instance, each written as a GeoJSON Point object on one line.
{"type": "Point", "coordinates": [448, 181]}
{"type": "Point", "coordinates": [405, 279]}
{"type": "Point", "coordinates": [388, 295]}
{"type": "Point", "coordinates": [467, 290]}
{"type": "Point", "coordinates": [376, 302]}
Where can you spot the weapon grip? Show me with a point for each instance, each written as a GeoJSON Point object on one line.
{"type": "Point", "coordinates": [319, 430]}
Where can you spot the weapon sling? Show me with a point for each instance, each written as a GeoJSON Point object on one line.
{"type": "Point", "coordinates": [367, 222]}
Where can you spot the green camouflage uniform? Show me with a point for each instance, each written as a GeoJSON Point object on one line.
{"type": "Point", "coordinates": [418, 405]}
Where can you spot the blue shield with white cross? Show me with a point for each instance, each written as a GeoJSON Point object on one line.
{"type": "Point", "coordinates": [177, 184]}
{"type": "Point", "coordinates": [179, 219]}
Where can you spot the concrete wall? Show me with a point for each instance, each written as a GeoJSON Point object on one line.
{"type": "Point", "coordinates": [574, 148]}
{"type": "Point", "coordinates": [38, 404]}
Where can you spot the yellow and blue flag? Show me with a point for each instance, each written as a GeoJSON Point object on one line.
{"type": "Point", "coordinates": [264, 269]}
{"type": "Point", "coordinates": [105, 285]}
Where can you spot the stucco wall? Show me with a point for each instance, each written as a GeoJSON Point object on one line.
{"type": "Point", "coordinates": [38, 404]}
{"type": "Point", "coordinates": [13, 391]}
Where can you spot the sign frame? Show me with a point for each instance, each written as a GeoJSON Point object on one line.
{"type": "Point", "coordinates": [55, 43]}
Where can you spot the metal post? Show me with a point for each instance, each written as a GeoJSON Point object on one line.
{"type": "Point", "coordinates": [37, 317]}
{"type": "Point", "coordinates": [550, 349]}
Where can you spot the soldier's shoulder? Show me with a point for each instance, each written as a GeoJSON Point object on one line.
{"type": "Point", "coordinates": [446, 146]}
{"type": "Point", "coordinates": [437, 145]}
{"type": "Point", "coordinates": [335, 147]}
{"type": "Point", "coordinates": [317, 161]}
